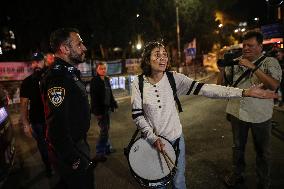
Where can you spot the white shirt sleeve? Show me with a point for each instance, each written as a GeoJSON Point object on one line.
{"type": "Point", "coordinates": [138, 114]}
{"type": "Point", "coordinates": [188, 86]}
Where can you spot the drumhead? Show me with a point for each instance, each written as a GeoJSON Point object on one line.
{"type": "Point", "coordinates": [147, 163]}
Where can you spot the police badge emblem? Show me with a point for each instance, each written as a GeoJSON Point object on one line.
{"type": "Point", "coordinates": [56, 95]}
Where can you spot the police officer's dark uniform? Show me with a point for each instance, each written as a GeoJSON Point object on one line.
{"type": "Point", "coordinates": [67, 114]}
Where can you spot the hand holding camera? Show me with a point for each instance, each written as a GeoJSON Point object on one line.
{"type": "Point", "coordinates": [246, 63]}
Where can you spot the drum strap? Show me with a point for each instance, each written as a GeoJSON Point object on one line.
{"type": "Point", "coordinates": [127, 149]}
{"type": "Point", "coordinates": [176, 147]}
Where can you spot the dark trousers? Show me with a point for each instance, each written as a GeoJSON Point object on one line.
{"type": "Point", "coordinates": [261, 133]}
{"type": "Point", "coordinates": [282, 88]}
{"type": "Point", "coordinates": [103, 145]}
{"type": "Point", "coordinates": [73, 179]}
{"type": "Point", "coordinates": [39, 135]}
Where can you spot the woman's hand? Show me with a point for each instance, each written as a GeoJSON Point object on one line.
{"type": "Point", "coordinates": [159, 145]}
{"type": "Point", "coordinates": [258, 92]}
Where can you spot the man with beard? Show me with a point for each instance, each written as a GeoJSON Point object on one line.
{"type": "Point", "coordinates": [67, 111]}
{"type": "Point", "coordinates": [33, 117]}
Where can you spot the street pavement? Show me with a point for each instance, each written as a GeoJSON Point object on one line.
{"type": "Point", "coordinates": [208, 150]}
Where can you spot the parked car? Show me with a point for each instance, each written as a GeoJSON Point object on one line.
{"type": "Point", "coordinates": [7, 140]}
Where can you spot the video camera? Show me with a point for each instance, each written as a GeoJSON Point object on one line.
{"type": "Point", "coordinates": [231, 58]}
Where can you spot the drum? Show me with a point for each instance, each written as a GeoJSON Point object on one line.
{"type": "Point", "coordinates": [148, 166]}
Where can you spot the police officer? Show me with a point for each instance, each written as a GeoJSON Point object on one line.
{"type": "Point", "coordinates": [67, 111]}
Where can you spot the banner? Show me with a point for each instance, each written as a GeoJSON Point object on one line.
{"type": "Point", "coordinates": [114, 67]}
{"type": "Point", "coordinates": [85, 69]}
{"type": "Point", "coordinates": [11, 71]}
{"type": "Point", "coordinates": [133, 65]}
{"type": "Point", "coordinates": [190, 51]}
{"type": "Point", "coordinates": [117, 82]}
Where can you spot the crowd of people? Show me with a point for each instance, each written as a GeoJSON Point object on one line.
{"type": "Point", "coordinates": [56, 111]}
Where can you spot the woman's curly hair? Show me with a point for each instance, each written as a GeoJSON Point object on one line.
{"type": "Point", "coordinates": [146, 54]}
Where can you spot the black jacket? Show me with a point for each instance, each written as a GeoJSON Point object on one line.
{"type": "Point", "coordinates": [97, 90]}
{"type": "Point", "coordinates": [67, 110]}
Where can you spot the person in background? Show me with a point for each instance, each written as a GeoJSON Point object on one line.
{"type": "Point", "coordinates": [280, 58]}
{"type": "Point", "coordinates": [251, 113]}
{"type": "Point", "coordinates": [102, 103]}
{"type": "Point", "coordinates": [32, 110]}
{"type": "Point", "coordinates": [156, 115]}
{"type": "Point", "coordinates": [68, 111]}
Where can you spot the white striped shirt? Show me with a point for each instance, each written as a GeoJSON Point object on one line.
{"type": "Point", "coordinates": [159, 115]}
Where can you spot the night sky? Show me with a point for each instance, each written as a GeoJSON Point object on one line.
{"type": "Point", "coordinates": [33, 20]}
{"type": "Point", "coordinates": [246, 10]}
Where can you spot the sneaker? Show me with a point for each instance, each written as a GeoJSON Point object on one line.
{"type": "Point", "coordinates": [233, 180]}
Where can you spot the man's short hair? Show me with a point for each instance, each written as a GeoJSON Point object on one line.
{"type": "Point", "coordinates": [254, 34]}
{"type": "Point", "coordinates": [101, 64]}
{"type": "Point", "coordinates": [60, 36]}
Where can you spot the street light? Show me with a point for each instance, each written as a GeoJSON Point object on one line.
{"type": "Point", "coordinates": [139, 43]}
{"type": "Point", "coordinates": [138, 46]}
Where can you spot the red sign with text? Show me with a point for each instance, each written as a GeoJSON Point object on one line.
{"type": "Point", "coordinates": [11, 71]}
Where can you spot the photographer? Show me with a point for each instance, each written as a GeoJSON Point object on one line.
{"type": "Point", "coordinates": [280, 58]}
{"type": "Point", "coordinates": [253, 69]}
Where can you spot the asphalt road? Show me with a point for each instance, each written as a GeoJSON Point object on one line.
{"type": "Point", "coordinates": [208, 150]}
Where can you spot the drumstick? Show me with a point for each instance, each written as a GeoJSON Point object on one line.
{"type": "Point", "coordinates": [172, 162]}
{"type": "Point", "coordinates": [170, 159]}
{"type": "Point", "coordinates": [160, 161]}
{"type": "Point", "coordinates": [166, 159]}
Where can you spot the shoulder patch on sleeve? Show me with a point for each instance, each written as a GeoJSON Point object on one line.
{"type": "Point", "coordinates": [56, 95]}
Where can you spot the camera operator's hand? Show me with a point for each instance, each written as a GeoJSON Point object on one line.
{"type": "Point", "coordinates": [246, 63]}
{"type": "Point", "coordinates": [220, 79]}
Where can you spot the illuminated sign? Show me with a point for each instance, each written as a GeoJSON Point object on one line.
{"type": "Point", "coordinates": [273, 40]}
{"type": "Point", "coordinates": [14, 71]}
{"type": "Point", "coordinates": [114, 67]}
{"type": "Point", "coordinates": [3, 115]}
